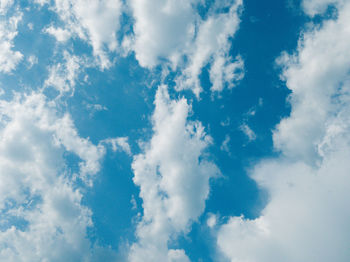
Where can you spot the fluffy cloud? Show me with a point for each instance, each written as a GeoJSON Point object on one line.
{"type": "Point", "coordinates": [8, 31]}
{"type": "Point", "coordinates": [173, 177]}
{"type": "Point", "coordinates": [306, 218]}
{"type": "Point", "coordinates": [212, 44]}
{"type": "Point", "coordinates": [5, 5]}
{"type": "Point", "coordinates": [94, 21]}
{"type": "Point", "coordinates": [314, 7]}
{"type": "Point", "coordinates": [162, 30]}
{"type": "Point", "coordinates": [174, 33]}
{"type": "Point", "coordinates": [42, 215]}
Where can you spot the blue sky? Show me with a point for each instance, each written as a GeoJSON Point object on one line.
{"type": "Point", "coordinates": [174, 130]}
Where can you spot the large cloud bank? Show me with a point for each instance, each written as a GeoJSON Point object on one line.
{"type": "Point", "coordinates": [306, 218]}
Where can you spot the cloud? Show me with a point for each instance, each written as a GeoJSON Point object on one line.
{"type": "Point", "coordinates": [119, 144]}
{"type": "Point", "coordinates": [32, 60]}
{"type": "Point", "coordinates": [225, 144]}
{"type": "Point", "coordinates": [314, 7]}
{"type": "Point", "coordinates": [306, 218]}
{"type": "Point", "coordinates": [212, 44]}
{"type": "Point", "coordinates": [9, 58]}
{"type": "Point", "coordinates": [248, 132]}
{"type": "Point", "coordinates": [63, 76]}
{"type": "Point", "coordinates": [94, 21]}
{"type": "Point", "coordinates": [173, 175]}
{"type": "Point", "coordinates": [5, 5]}
{"type": "Point", "coordinates": [175, 35]}
{"type": "Point", "coordinates": [43, 218]}
{"type": "Point", "coordinates": [162, 30]}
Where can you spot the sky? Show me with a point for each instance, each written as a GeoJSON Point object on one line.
{"type": "Point", "coordinates": [175, 130]}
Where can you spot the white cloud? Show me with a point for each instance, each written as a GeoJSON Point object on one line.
{"type": "Point", "coordinates": [94, 21]}
{"type": "Point", "coordinates": [248, 132]}
{"type": "Point", "coordinates": [119, 144]}
{"type": "Point", "coordinates": [63, 76]}
{"type": "Point", "coordinates": [223, 72]}
{"type": "Point", "coordinates": [306, 218]}
{"type": "Point", "coordinates": [9, 58]}
{"type": "Point", "coordinates": [5, 5]}
{"type": "Point", "coordinates": [61, 35]}
{"type": "Point", "coordinates": [32, 60]}
{"type": "Point", "coordinates": [43, 218]}
{"type": "Point", "coordinates": [173, 177]}
{"type": "Point", "coordinates": [212, 42]}
{"type": "Point", "coordinates": [163, 29]}
{"type": "Point", "coordinates": [173, 33]}
{"type": "Point", "coordinates": [212, 220]}
{"type": "Point", "coordinates": [314, 7]}
{"type": "Point", "coordinates": [224, 146]}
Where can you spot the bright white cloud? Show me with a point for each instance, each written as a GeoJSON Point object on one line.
{"type": "Point", "coordinates": [174, 33]}
{"type": "Point", "coordinates": [95, 21]}
{"type": "Point", "coordinates": [212, 44]}
{"type": "Point", "coordinates": [173, 177]}
{"type": "Point", "coordinates": [306, 218]}
{"type": "Point", "coordinates": [42, 215]}
{"type": "Point", "coordinates": [5, 5]}
{"type": "Point", "coordinates": [163, 29]}
{"type": "Point", "coordinates": [9, 58]}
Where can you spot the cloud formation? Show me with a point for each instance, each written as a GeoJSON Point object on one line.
{"type": "Point", "coordinates": [94, 21]}
{"type": "Point", "coordinates": [43, 218]}
{"type": "Point", "coordinates": [173, 175]}
{"type": "Point", "coordinates": [306, 218]}
{"type": "Point", "coordinates": [9, 58]}
{"type": "Point", "coordinates": [175, 35]}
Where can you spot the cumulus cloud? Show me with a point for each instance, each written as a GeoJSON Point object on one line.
{"type": "Point", "coordinates": [5, 5]}
{"type": "Point", "coordinates": [94, 21]}
{"type": "Point", "coordinates": [9, 58]}
{"type": "Point", "coordinates": [173, 175]}
{"type": "Point", "coordinates": [174, 33]}
{"type": "Point", "coordinates": [212, 44]}
{"type": "Point", "coordinates": [43, 218]}
{"type": "Point", "coordinates": [162, 32]}
{"type": "Point", "coordinates": [306, 218]}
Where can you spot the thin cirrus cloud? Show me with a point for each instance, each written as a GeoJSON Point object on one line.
{"type": "Point", "coordinates": [306, 215]}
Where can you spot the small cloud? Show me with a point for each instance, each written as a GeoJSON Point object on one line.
{"type": "Point", "coordinates": [254, 19]}
{"type": "Point", "coordinates": [30, 26]}
{"type": "Point", "coordinates": [133, 203]}
{"type": "Point", "coordinates": [32, 60]}
{"type": "Point", "coordinates": [248, 132]}
{"type": "Point", "coordinates": [224, 145]}
{"type": "Point", "coordinates": [119, 144]}
{"type": "Point", "coordinates": [225, 122]}
{"type": "Point", "coordinates": [212, 220]}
